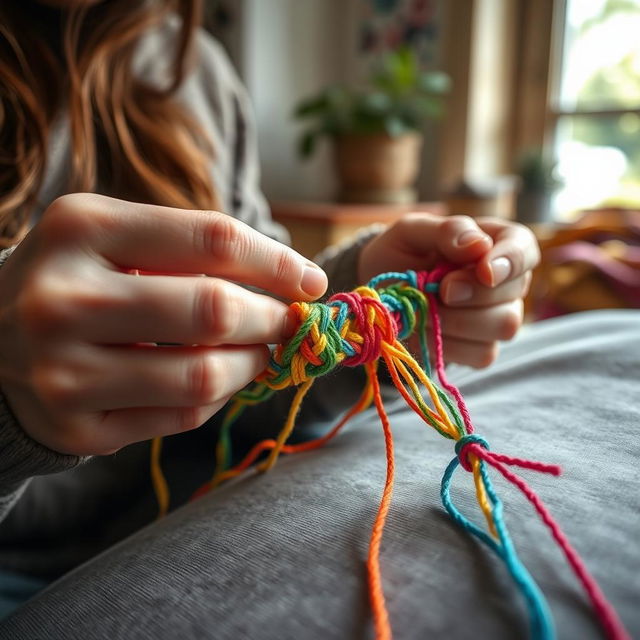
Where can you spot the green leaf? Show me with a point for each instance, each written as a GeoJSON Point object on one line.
{"type": "Point", "coordinates": [338, 98]}
{"type": "Point", "coordinates": [376, 102]}
{"type": "Point", "coordinates": [307, 144]}
{"type": "Point", "coordinates": [398, 72]}
{"type": "Point", "coordinates": [395, 126]}
{"type": "Point", "coordinates": [436, 82]}
{"type": "Point", "coordinates": [311, 107]}
{"type": "Point", "coordinates": [426, 107]}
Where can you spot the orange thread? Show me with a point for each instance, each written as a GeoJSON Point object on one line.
{"type": "Point", "coordinates": [376, 592]}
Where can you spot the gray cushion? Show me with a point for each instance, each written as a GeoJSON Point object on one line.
{"type": "Point", "coordinates": [282, 555]}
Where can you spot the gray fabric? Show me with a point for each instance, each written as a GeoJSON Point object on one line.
{"type": "Point", "coordinates": [281, 555]}
{"type": "Point", "coordinates": [4, 254]}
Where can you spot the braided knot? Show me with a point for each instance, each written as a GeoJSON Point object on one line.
{"type": "Point", "coordinates": [363, 323]}
{"type": "Point", "coordinates": [463, 445]}
{"type": "Point", "coordinates": [349, 329]}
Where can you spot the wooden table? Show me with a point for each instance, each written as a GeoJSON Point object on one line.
{"type": "Point", "coordinates": [316, 225]}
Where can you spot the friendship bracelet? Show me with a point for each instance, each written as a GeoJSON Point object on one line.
{"type": "Point", "coordinates": [362, 328]}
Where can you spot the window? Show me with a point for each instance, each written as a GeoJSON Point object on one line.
{"type": "Point", "coordinates": [594, 111]}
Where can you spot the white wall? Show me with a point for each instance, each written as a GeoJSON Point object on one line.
{"type": "Point", "coordinates": [292, 48]}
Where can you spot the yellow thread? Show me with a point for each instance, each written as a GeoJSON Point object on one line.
{"type": "Point", "coordinates": [160, 486]}
{"type": "Point", "coordinates": [418, 397]}
{"type": "Point", "coordinates": [403, 355]}
{"type": "Point", "coordinates": [481, 495]}
{"type": "Point", "coordinates": [298, 369]}
{"type": "Point", "coordinates": [320, 345]}
{"type": "Point", "coordinates": [284, 434]}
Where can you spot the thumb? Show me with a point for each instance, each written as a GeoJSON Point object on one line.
{"type": "Point", "coordinates": [421, 240]}
{"type": "Point", "coordinates": [457, 239]}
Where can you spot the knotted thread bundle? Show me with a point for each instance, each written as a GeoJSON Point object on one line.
{"type": "Point", "coordinates": [365, 327]}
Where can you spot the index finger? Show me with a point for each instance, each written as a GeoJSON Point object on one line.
{"type": "Point", "coordinates": [167, 240]}
{"type": "Point", "coordinates": [515, 251]}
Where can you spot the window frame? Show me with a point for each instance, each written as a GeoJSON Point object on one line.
{"type": "Point", "coordinates": [547, 101]}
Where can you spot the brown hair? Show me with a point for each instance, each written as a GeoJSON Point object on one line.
{"type": "Point", "coordinates": [81, 60]}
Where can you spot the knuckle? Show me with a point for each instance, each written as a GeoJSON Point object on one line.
{"type": "Point", "coordinates": [457, 222]}
{"type": "Point", "coordinates": [59, 387]}
{"type": "Point", "coordinates": [413, 217]}
{"type": "Point", "coordinates": [68, 217]}
{"type": "Point", "coordinates": [217, 311]}
{"type": "Point", "coordinates": [187, 418]}
{"type": "Point", "coordinates": [487, 356]}
{"type": "Point", "coordinates": [62, 206]}
{"type": "Point", "coordinates": [42, 308]}
{"type": "Point", "coordinates": [203, 381]}
{"type": "Point", "coordinates": [221, 237]}
{"type": "Point", "coordinates": [511, 321]}
{"type": "Point", "coordinates": [51, 303]}
{"type": "Point", "coordinates": [284, 265]}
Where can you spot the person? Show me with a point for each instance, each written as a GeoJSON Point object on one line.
{"type": "Point", "coordinates": [143, 279]}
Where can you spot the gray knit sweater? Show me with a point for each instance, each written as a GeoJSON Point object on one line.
{"type": "Point", "coordinates": [57, 512]}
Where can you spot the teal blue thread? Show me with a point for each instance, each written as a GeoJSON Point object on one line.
{"type": "Point", "coordinates": [541, 622]}
{"type": "Point", "coordinates": [470, 438]}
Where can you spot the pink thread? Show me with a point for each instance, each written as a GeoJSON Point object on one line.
{"type": "Point", "coordinates": [603, 609]}
{"type": "Point", "coordinates": [534, 465]}
{"type": "Point", "coordinates": [436, 276]}
{"type": "Point", "coordinates": [605, 612]}
{"type": "Point", "coordinates": [373, 334]}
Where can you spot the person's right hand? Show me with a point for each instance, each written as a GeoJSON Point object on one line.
{"type": "Point", "coordinates": [78, 361]}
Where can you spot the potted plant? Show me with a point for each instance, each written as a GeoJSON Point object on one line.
{"type": "Point", "coordinates": [376, 129]}
{"type": "Point", "coordinates": [538, 181]}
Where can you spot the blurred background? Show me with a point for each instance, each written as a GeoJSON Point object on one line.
{"type": "Point", "coordinates": [525, 109]}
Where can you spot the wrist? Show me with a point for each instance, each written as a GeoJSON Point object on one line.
{"type": "Point", "coordinates": [21, 457]}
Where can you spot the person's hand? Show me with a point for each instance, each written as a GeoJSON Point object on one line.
{"type": "Point", "coordinates": [78, 361]}
{"type": "Point", "coordinates": [482, 300]}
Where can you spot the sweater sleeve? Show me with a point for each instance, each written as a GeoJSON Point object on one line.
{"type": "Point", "coordinates": [21, 457]}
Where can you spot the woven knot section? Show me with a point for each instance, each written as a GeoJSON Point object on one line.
{"type": "Point", "coordinates": [363, 323]}
{"type": "Point", "coordinates": [349, 330]}
{"type": "Point", "coordinates": [463, 448]}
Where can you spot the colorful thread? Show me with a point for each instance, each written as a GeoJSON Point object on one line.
{"type": "Point", "coordinates": [362, 328]}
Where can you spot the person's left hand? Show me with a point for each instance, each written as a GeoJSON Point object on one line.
{"type": "Point", "coordinates": [482, 300]}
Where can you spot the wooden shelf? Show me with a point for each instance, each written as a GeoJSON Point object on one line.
{"type": "Point", "coordinates": [316, 225]}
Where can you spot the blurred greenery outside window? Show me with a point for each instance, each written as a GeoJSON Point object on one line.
{"type": "Point", "coordinates": [596, 110]}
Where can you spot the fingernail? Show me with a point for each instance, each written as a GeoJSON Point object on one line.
{"type": "Point", "coordinates": [458, 291]}
{"type": "Point", "coordinates": [469, 237]}
{"type": "Point", "coordinates": [500, 270]}
{"type": "Point", "coordinates": [314, 280]}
